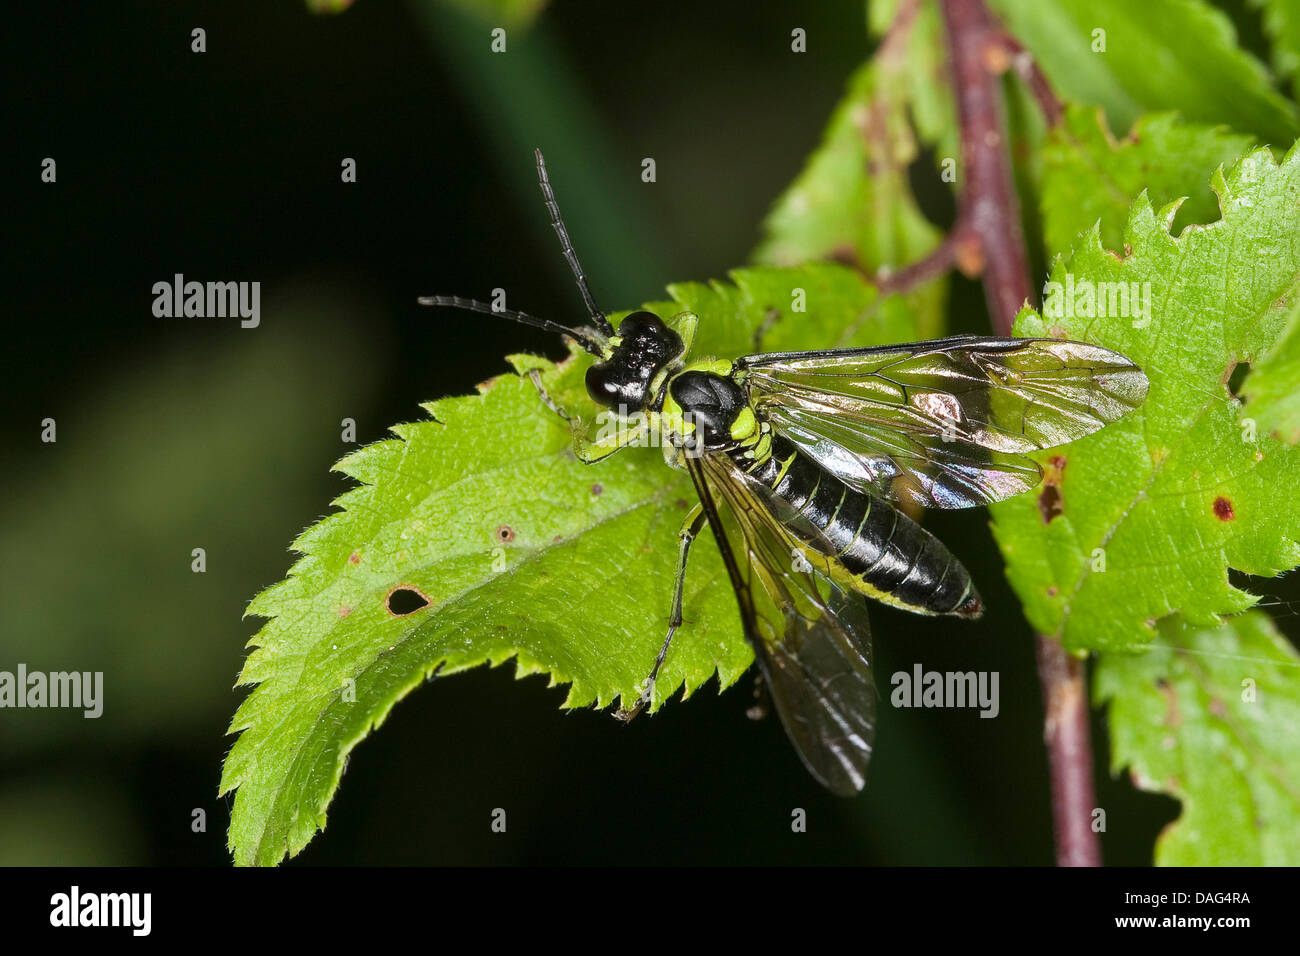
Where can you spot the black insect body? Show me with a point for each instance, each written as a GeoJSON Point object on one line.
{"type": "Point", "coordinates": [800, 461]}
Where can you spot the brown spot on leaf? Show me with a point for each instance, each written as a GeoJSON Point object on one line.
{"type": "Point", "coordinates": [1173, 718]}
{"type": "Point", "coordinates": [1051, 504]}
{"type": "Point", "coordinates": [405, 599]}
{"type": "Point", "coordinates": [598, 489]}
{"type": "Point", "coordinates": [1223, 509]}
{"type": "Point", "coordinates": [354, 558]}
{"type": "Point", "coordinates": [344, 611]}
{"type": "Point", "coordinates": [1218, 708]}
{"type": "Point", "coordinates": [505, 534]}
{"type": "Point", "coordinates": [1052, 591]}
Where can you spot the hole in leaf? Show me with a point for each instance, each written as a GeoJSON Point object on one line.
{"type": "Point", "coordinates": [505, 534]}
{"type": "Point", "coordinates": [1235, 378]}
{"type": "Point", "coordinates": [405, 599]}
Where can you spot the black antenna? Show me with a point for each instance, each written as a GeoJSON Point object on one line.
{"type": "Point", "coordinates": [597, 316]}
{"type": "Point", "coordinates": [584, 337]}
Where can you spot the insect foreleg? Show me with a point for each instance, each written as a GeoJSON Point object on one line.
{"type": "Point", "coordinates": [535, 376]}
{"type": "Point", "coordinates": [621, 436]}
{"type": "Point", "coordinates": [586, 450]}
{"type": "Point", "coordinates": [690, 528]}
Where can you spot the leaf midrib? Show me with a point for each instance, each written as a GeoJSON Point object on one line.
{"type": "Point", "coordinates": [293, 764]}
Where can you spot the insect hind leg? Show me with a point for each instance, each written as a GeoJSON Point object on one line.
{"type": "Point", "coordinates": [690, 529]}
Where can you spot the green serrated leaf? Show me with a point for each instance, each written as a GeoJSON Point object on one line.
{"type": "Point", "coordinates": [833, 211]}
{"type": "Point", "coordinates": [1145, 517]}
{"type": "Point", "coordinates": [1272, 389]}
{"type": "Point", "coordinates": [1212, 717]}
{"type": "Point", "coordinates": [521, 551]}
{"type": "Point", "coordinates": [1159, 55]}
{"type": "Point", "coordinates": [244, 412]}
{"type": "Point", "coordinates": [917, 71]}
{"type": "Point", "coordinates": [1090, 176]}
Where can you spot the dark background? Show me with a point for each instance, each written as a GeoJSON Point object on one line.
{"type": "Point", "coordinates": [183, 433]}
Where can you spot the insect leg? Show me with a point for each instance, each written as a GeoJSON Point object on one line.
{"type": "Point", "coordinates": [690, 528]}
{"type": "Point", "coordinates": [585, 449]}
{"type": "Point", "coordinates": [589, 452]}
{"type": "Point", "coordinates": [535, 377]}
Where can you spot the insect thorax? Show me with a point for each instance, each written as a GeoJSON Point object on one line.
{"type": "Point", "coordinates": [705, 410]}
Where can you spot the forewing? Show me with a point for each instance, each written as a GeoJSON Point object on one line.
{"type": "Point", "coordinates": [945, 423]}
{"type": "Point", "coordinates": [812, 643]}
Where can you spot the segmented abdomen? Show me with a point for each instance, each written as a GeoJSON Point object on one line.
{"type": "Point", "coordinates": [891, 557]}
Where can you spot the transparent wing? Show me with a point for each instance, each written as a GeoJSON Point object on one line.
{"type": "Point", "coordinates": [945, 423]}
{"type": "Point", "coordinates": [812, 642]}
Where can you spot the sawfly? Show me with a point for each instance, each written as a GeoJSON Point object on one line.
{"type": "Point", "coordinates": [804, 464]}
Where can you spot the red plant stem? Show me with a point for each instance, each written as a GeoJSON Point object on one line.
{"type": "Point", "coordinates": [935, 264]}
{"type": "Point", "coordinates": [1032, 74]}
{"type": "Point", "coordinates": [989, 207]}
{"type": "Point", "coordinates": [990, 213]}
{"type": "Point", "coordinates": [1069, 753]}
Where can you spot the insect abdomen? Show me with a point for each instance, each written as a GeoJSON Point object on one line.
{"type": "Point", "coordinates": [887, 554]}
